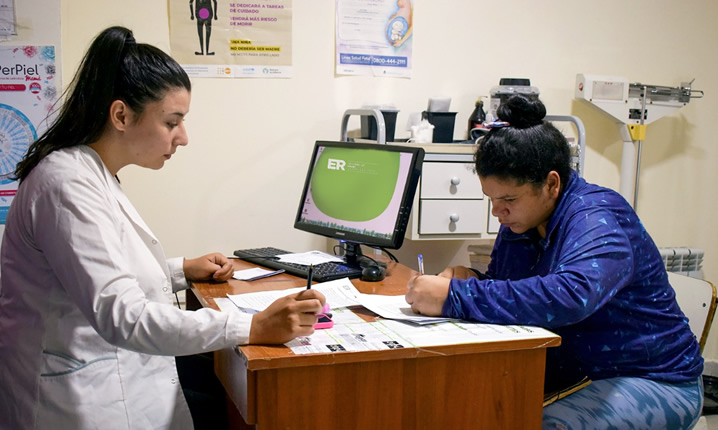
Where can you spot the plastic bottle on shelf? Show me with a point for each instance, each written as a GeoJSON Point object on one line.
{"type": "Point", "coordinates": [477, 118]}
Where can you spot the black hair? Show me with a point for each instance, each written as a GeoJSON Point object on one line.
{"type": "Point", "coordinates": [527, 149]}
{"type": "Point", "coordinates": [115, 67]}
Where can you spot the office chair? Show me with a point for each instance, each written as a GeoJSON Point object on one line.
{"type": "Point", "coordinates": [697, 299]}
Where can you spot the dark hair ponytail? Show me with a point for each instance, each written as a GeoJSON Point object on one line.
{"type": "Point", "coordinates": [527, 149]}
{"type": "Point", "coordinates": [115, 67]}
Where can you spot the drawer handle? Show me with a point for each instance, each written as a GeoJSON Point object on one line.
{"type": "Point", "coordinates": [455, 180]}
{"type": "Point", "coordinates": [454, 218]}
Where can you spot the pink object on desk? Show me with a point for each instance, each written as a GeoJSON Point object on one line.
{"type": "Point", "coordinates": [325, 320]}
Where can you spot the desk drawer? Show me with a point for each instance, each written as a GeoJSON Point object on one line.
{"type": "Point", "coordinates": [450, 181]}
{"type": "Point", "coordinates": [469, 216]}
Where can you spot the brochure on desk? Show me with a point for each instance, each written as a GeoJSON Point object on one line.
{"type": "Point", "coordinates": [391, 334]}
{"type": "Point", "coordinates": [352, 333]}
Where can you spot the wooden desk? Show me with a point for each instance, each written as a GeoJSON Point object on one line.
{"type": "Point", "coordinates": [497, 385]}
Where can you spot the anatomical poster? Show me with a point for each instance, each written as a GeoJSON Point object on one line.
{"type": "Point", "coordinates": [232, 39]}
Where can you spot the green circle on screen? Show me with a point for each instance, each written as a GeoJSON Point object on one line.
{"type": "Point", "coordinates": [354, 185]}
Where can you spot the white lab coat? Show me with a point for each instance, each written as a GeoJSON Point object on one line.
{"type": "Point", "coordinates": [88, 330]}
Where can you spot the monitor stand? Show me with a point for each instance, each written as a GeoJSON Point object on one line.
{"type": "Point", "coordinates": [355, 257]}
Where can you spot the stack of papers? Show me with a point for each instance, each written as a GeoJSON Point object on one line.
{"type": "Point", "coordinates": [339, 293]}
{"type": "Point", "coordinates": [401, 327]}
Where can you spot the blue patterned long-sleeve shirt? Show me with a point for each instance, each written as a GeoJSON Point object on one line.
{"type": "Point", "coordinates": [597, 280]}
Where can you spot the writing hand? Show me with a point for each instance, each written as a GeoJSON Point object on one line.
{"type": "Point", "coordinates": [427, 294]}
{"type": "Point", "coordinates": [288, 317]}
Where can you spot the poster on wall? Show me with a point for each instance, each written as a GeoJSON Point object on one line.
{"type": "Point", "coordinates": [28, 92]}
{"type": "Point", "coordinates": [374, 37]}
{"type": "Point", "coordinates": [232, 39]}
{"type": "Point", "coordinates": [7, 19]}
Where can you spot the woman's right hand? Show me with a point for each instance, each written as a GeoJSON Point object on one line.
{"type": "Point", "coordinates": [288, 317]}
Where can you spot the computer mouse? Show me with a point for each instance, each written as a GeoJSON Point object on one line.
{"type": "Point", "coordinates": [373, 273]}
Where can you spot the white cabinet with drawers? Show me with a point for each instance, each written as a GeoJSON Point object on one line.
{"type": "Point", "coordinates": [449, 203]}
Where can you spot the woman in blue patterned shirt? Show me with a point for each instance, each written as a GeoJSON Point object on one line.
{"type": "Point", "coordinates": [574, 258]}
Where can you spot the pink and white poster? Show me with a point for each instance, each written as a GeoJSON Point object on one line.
{"type": "Point", "coordinates": [28, 92]}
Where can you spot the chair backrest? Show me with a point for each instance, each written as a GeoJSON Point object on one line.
{"type": "Point", "coordinates": [697, 299]}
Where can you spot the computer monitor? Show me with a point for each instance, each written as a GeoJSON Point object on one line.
{"type": "Point", "coordinates": [360, 194]}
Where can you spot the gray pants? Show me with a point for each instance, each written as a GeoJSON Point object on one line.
{"type": "Point", "coordinates": [627, 403]}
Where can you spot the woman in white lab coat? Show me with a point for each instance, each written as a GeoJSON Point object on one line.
{"type": "Point", "coordinates": [88, 332]}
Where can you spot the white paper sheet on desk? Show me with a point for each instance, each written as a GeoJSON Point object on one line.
{"type": "Point", "coordinates": [396, 308]}
{"type": "Point", "coordinates": [225, 305]}
{"type": "Point", "coordinates": [255, 273]}
{"type": "Point", "coordinates": [458, 332]}
{"type": "Point", "coordinates": [307, 258]}
{"type": "Point", "coordinates": [391, 334]}
{"type": "Point", "coordinates": [339, 293]}
{"type": "Point", "coordinates": [360, 336]}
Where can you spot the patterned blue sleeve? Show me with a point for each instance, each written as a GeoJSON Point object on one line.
{"type": "Point", "coordinates": [552, 283]}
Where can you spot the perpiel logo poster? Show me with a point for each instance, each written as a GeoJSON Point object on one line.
{"type": "Point", "coordinates": [228, 38]}
{"type": "Point", "coordinates": [28, 92]}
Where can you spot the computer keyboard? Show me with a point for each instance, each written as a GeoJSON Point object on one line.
{"type": "Point", "coordinates": [323, 272]}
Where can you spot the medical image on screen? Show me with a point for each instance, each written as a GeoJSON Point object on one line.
{"type": "Point", "coordinates": [356, 190]}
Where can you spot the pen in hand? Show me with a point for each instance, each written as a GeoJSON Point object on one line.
{"type": "Point", "coordinates": [309, 277]}
{"type": "Point", "coordinates": [421, 263]}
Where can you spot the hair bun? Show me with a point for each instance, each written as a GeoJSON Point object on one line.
{"type": "Point", "coordinates": [521, 111]}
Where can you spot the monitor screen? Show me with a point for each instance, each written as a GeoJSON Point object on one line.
{"type": "Point", "coordinates": [360, 193]}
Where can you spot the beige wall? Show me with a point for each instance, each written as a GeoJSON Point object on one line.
{"type": "Point", "coordinates": [238, 182]}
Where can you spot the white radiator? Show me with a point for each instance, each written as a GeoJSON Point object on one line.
{"type": "Point", "coordinates": [683, 260]}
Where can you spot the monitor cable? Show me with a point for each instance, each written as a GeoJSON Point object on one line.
{"type": "Point", "coordinates": [384, 250]}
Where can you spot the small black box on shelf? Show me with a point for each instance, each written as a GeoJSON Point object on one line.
{"type": "Point", "coordinates": [443, 123]}
{"type": "Point", "coordinates": [368, 125]}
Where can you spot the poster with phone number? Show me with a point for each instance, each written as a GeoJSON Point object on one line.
{"type": "Point", "coordinates": [28, 92]}
{"type": "Point", "coordinates": [374, 37]}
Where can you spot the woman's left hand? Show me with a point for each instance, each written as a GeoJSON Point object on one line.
{"type": "Point", "coordinates": [213, 266]}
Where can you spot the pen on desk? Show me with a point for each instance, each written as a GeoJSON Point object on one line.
{"type": "Point", "coordinates": [421, 263]}
{"type": "Point", "coordinates": [309, 276]}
